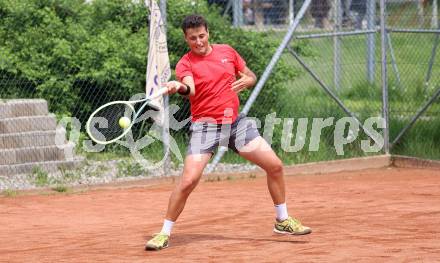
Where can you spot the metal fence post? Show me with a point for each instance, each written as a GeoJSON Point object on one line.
{"type": "Point", "coordinates": [291, 11]}
{"type": "Point", "coordinates": [237, 11]}
{"type": "Point", "coordinates": [371, 40]}
{"type": "Point", "coordinates": [337, 45]}
{"type": "Point", "coordinates": [420, 13]}
{"type": "Point", "coordinates": [385, 109]}
{"type": "Point", "coordinates": [434, 20]}
{"type": "Point", "coordinates": [165, 128]}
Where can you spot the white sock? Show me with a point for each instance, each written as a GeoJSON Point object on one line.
{"type": "Point", "coordinates": [167, 227]}
{"type": "Point", "coordinates": [281, 210]}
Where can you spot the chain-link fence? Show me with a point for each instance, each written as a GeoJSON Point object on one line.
{"type": "Point", "coordinates": [318, 62]}
{"type": "Point", "coordinates": [340, 52]}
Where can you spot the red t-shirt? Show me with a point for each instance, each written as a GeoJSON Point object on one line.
{"type": "Point", "coordinates": [213, 75]}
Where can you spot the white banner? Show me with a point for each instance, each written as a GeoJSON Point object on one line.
{"type": "Point", "coordinates": [158, 68]}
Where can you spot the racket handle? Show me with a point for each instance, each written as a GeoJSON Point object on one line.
{"type": "Point", "coordinates": [160, 92]}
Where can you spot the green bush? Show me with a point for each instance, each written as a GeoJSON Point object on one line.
{"type": "Point", "coordinates": [79, 56]}
{"type": "Point", "coordinates": [73, 54]}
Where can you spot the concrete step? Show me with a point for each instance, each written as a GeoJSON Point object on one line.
{"type": "Point", "coordinates": [37, 154]}
{"type": "Point", "coordinates": [50, 167]}
{"type": "Point", "coordinates": [27, 124]}
{"type": "Point", "coordinates": [23, 107]}
{"type": "Point", "coordinates": [31, 139]}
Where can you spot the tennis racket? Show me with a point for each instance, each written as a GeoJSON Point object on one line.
{"type": "Point", "coordinates": [104, 124]}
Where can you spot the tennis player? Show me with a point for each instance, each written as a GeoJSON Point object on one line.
{"type": "Point", "coordinates": [211, 76]}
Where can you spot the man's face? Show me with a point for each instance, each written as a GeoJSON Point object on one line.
{"type": "Point", "coordinates": [198, 40]}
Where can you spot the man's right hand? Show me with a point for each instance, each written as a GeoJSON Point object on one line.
{"type": "Point", "coordinates": [174, 86]}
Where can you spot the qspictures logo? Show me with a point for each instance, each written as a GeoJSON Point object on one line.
{"type": "Point", "coordinates": [345, 131]}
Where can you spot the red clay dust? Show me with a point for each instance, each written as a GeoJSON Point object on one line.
{"type": "Point", "coordinates": [384, 215]}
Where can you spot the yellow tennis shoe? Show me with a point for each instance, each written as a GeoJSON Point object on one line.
{"type": "Point", "coordinates": [291, 226]}
{"type": "Point", "coordinates": [158, 242]}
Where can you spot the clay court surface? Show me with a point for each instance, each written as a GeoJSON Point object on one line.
{"type": "Point", "coordinates": [387, 215]}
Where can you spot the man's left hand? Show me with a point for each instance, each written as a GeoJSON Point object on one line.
{"type": "Point", "coordinates": [242, 83]}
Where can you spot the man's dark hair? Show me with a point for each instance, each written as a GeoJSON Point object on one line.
{"type": "Point", "coordinates": [194, 21]}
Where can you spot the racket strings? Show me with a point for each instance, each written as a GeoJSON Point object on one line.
{"type": "Point", "coordinates": [105, 123]}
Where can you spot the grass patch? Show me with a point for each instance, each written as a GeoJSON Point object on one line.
{"type": "Point", "coordinates": [60, 189]}
{"type": "Point", "coordinates": [41, 177]}
{"type": "Point", "coordinates": [127, 168]}
{"type": "Point", "coordinates": [213, 179]}
{"type": "Point", "coordinates": [69, 175]}
{"type": "Point", "coordinates": [305, 98]}
{"type": "Point", "coordinates": [252, 176]}
{"type": "Point", "coordinates": [10, 193]}
{"type": "Point", "coordinates": [99, 171]}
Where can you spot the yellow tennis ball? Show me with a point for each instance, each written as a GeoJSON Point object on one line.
{"type": "Point", "coordinates": [124, 122]}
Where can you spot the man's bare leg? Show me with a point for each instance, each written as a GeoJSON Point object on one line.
{"type": "Point", "coordinates": [260, 153]}
{"type": "Point", "coordinates": [192, 171]}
